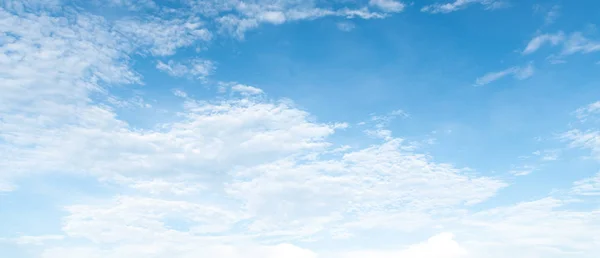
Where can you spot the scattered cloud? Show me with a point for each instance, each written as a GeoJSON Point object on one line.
{"type": "Point", "coordinates": [162, 37]}
{"type": "Point", "coordinates": [388, 5]}
{"type": "Point", "coordinates": [578, 43]}
{"type": "Point", "coordinates": [548, 155]}
{"type": "Point", "coordinates": [589, 140]}
{"type": "Point", "coordinates": [246, 90]}
{"type": "Point", "coordinates": [238, 176]}
{"type": "Point", "coordinates": [551, 13]}
{"type": "Point", "coordinates": [195, 68]}
{"type": "Point", "coordinates": [461, 4]}
{"type": "Point", "coordinates": [249, 16]}
{"type": "Point", "coordinates": [523, 170]}
{"type": "Point", "coordinates": [519, 73]}
{"type": "Point", "coordinates": [583, 113]}
{"type": "Point", "coordinates": [133, 5]}
{"type": "Point", "coordinates": [588, 187]}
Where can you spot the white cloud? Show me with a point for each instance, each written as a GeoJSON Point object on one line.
{"type": "Point", "coordinates": [520, 73]}
{"type": "Point", "coordinates": [541, 228]}
{"type": "Point", "coordinates": [388, 5]}
{"type": "Point", "coordinates": [239, 17]}
{"type": "Point", "coordinates": [540, 40]}
{"type": "Point", "coordinates": [364, 183]}
{"type": "Point", "coordinates": [461, 4]}
{"type": "Point", "coordinates": [246, 90]}
{"type": "Point", "coordinates": [584, 112]}
{"type": "Point", "coordinates": [195, 68]}
{"type": "Point", "coordinates": [577, 43]}
{"type": "Point", "coordinates": [572, 44]}
{"type": "Point", "coordinates": [275, 17]}
{"type": "Point", "coordinates": [588, 187]}
{"type": "Point", "coordinates": [233, 177]}
{"type": "Point", "coordinates": [134, 5]}
{"type": "Point", "coordinates": [162, 37]}
{"type": "Point", "coordinates": [589, 140]}
{"type": "Point", "coordinates": [523, 170]}
{"type": "Point", "coordinates": [548, 155]}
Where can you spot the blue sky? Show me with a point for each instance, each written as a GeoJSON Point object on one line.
{"type": "Point", "coordinates": [301, 129]}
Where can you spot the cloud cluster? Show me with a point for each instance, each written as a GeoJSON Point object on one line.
{"type": "Point", "coordinates": [241, 175]}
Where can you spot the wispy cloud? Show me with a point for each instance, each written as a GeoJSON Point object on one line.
{"type": "Point", "coordinates": [578, 43]}
{"type": "Point", "coordinates": [588, 187]}
{"type": "Point", "coordinates": [388, 5]}
{"type": "Point", "coordinates": [461, 4]}
{"type": "Point", "coordinates": [572, 44]}
{"type": "Point", "coordinates": [550, 13]}
{"type": "Point", "coordinates": [519, 73]}
{"type": "Point", "coordinates": [523, 170]}
{"type": "Point", "coordinates": [583, 113]}
{"type": "Point", "coordinates": [538, 41]}
{"type": "Point", "coordinates": [195, 68]}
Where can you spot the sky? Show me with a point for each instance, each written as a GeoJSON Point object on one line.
{"type": "Point", "coordinates": [299, 128]}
